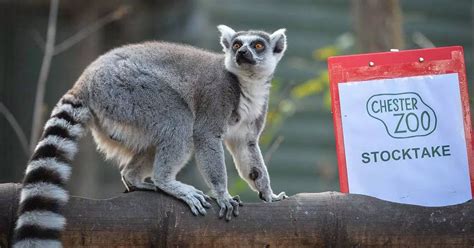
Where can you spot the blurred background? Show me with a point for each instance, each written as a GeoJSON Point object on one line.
{"type": "Point", "coordinates": [298, 142]}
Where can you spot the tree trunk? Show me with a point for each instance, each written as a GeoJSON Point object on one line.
{"type": "Point", "coordinates": [378, 25]}
{"type": "Point", "coordinates": [150, 219]}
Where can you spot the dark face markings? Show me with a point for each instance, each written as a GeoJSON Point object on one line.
{"type": "Point", "coordinates": [258, 45]}
{"type": "Point", "coordinates": [236, 44]}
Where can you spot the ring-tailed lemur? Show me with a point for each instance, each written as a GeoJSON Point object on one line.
{"type": "Point", "coordinates": [150, 106]}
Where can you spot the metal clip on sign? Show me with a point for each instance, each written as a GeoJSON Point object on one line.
{"type": "Point", "coordinates": [402, 125]}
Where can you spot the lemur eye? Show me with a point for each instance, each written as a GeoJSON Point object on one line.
{"type": "Point", "coordinates": [259, 46]}
{"type": "Point", "coordinates": [236, 46]}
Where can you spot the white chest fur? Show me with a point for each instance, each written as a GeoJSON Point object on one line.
{"type": "Point", "coordinates": [251, 106]}
{"type": "Point", "coordinates": [252, 99]}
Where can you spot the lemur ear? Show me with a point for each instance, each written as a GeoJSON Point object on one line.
{"type": "Point", "coordinates": [226, 35]}
{"type": "Point", "coordinates": [278, 41]}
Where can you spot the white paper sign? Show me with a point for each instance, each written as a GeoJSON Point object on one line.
{"type": "Point", "coordinates": [404, 139]}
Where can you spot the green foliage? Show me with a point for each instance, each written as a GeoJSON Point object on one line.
{"type": "Point", "coordinates": [238, 187]}
{"type": "Point", "coordinates": [314, 86]}
{"type": "Point", "coordinates": [284, 101]}
{"type": "Point", "coordinates": [319, 84]}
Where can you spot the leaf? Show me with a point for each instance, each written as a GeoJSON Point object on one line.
{"type": "Point", "coordinates": [238, 187]}
{"type": "Point", "coordinates": [310, 87]}
{"type": "Point", "coordinates": [325, 52]}
{"type": "Point", "coordinates": [287, 107]}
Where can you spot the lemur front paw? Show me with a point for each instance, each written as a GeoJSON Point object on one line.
{"type": "Point", "coordinates": [228, 205]}
{"type": "Point", "coordinates": [197, 201]}
{"type": "Point", "coordinates": [270, 197]}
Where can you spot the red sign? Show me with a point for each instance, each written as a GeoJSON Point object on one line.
{"type": "Point", "coordinates": [379, 69]}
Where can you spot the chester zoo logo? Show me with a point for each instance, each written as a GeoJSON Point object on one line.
{"type": "Point", "coordinates": [404, 115]}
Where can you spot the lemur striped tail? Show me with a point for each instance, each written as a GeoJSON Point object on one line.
{"type": "Point", "coordinates": [43, 195]}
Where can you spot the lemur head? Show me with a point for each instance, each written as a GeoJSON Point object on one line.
{"type": "Point", "coordinates": [252, 54]}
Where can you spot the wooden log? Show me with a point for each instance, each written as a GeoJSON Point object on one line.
{"type": "Point", "coordinates": [330, 219]}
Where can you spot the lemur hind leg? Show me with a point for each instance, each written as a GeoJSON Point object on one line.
{"type": "Point", "coordinates": [136, 175]}
{"type": "Point", "coordinates": [174, 150]}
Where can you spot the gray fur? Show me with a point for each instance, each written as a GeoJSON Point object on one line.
{"type": "Point", "coordinates": [150, 106]}
{"type": "Point", "coordinates": [179, 99]}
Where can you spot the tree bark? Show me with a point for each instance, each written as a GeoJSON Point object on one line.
{"type": "Point", "coordinates": [378, 25]}
{"type": "Point", "coordinates": [330, 219]}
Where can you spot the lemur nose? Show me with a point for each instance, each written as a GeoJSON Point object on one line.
{"type": "Point", "coordinates": [243, 51]}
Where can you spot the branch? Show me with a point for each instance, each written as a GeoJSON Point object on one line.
{"type": "Point", "coordinates": [16, 128]}
{"type": "Point", "coordinates": [44, 72]}
{"type": "Point", "coordinates": [84, 33]}
{"type": "Point", "coordinates": [421, 40]}
{"type": "Point", "coordinates": [117, 14]}
{"type": "Point", "coordinates": [330, 219]}
{"type": "Point", "coordinates": [273, 147]}
{"type": "Point", "coordinates": [52, 50]}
